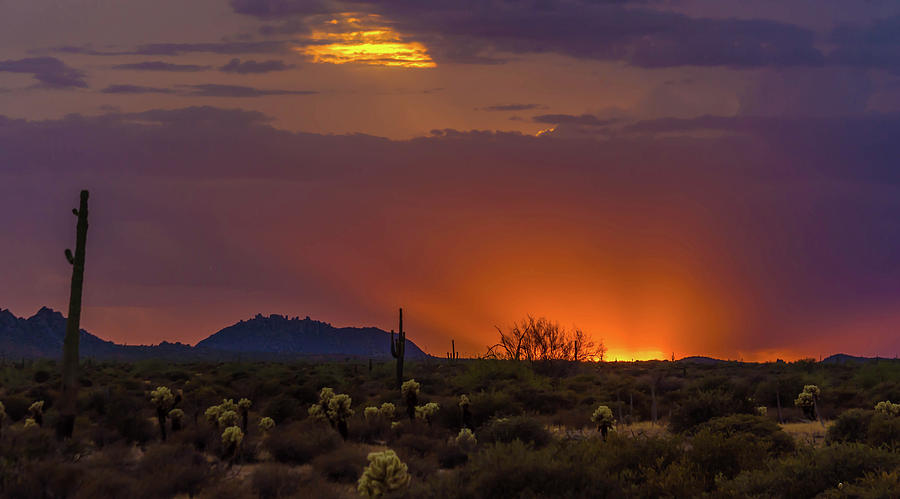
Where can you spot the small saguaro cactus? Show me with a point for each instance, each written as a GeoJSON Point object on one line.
{"type": "Point", "coordinates": [244, 405]}
{"type": "Point", "coordinates": [339, 411]}
{"type": "Point", "coordinates": [465, 413]}
{"type": "Point", "coordinates": [36, 411]}
{"type": "Point", "coordinates": [177, 417]}
{"type": "Point", "coordinates": [452, 354]}
{"type": "Point", "coordinates": [385, 473]}
{"type": "Point", "coordinates": [466, 441]}
{"type": "Point", "coordinates": [887, 408]}
{"type": "Point", "coordinates": [164, 400]}
{"type": "Point", "coordinates": [808, 401]}
{"type": "Point", "coordinates": [2, 417]}
{"type": "Point", "coordinates": [398, 349]}
{"type": "Point", "coordinates": [231, 440]}
{"type": "Point", "coordinates": [410, 392]}
{"type": "Point", "coordinates": [266, 424]}
{"type": "Point", "coordinates": [69, 394]}
{"type": "Point", "coordinates": [603, 418]}
{"type": "Point", "coordinates": [426, 412]}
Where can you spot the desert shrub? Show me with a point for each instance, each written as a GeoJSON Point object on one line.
{"type": "Point", "coordinates": [274, 481]}
{"type": "Point", "coordinates": [451, 456]}
{"type": "Point", "coordinates": [517, 470]}
{"type": "Point", "coordinates": [872, 485]}
{"type": "Point", "coordinates": [488, 405]}
{"type": "Point", "coordinates": [884, 430]}
{"type": "Point", "coordinates": [416, 443]}
{"type": "Point", "coordinates": [719, 454]}
{"type": "Point", "coordinates": [299, 443]}
{"type": "Point", "coordinates": [524, 428]}
{"type": "Point", "coordinates": [810, 471]}
{"type": "Point", "coordinates": [762, 429]}
{"type": "Point", "coordinates": [343, 465]}
{"type": "Point", "coordinates": [544, 401]}
{"type": "Point", "coordinates": [107, 482]}
{"type": "Point", "coordinates": [703, 405]}
{"type": "Point", "coordinates": [41, 376]}
{"type": "Point", "coordinates": [283, 409]}
{"type": "Point", "coordinates": [851, 426]}
{"type": "Point", "coordinates": [16, 407]}
{"type": "Point", "coordinates": [169, 470]}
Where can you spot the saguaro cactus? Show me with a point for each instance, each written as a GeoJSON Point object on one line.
{"type": "Point", "coordinates": [69, 395]}
{"type": "Point", "coordinates": [398, 349]}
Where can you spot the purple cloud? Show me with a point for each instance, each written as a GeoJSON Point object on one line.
{"type": "Point", "coordinates": [254, 67]}
{"type": "Point", "coordinates": [216, 90]}
{"type": "Point", "coordinates": [49, 71]}
{"type": "Point", "coordinates": [509, 107]}
{"type": "Point", "coordinates": [135, 89]}
{"type": "Point", "coordinates": [161, 66]}
{"type": "Point", "coordinates": [569, 119]}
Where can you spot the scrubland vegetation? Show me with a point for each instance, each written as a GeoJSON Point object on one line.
{"type": "Point", "coordinates": [463, 428]}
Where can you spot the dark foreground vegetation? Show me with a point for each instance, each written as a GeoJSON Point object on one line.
{"type": "Point", "coordinates": [157, 429]}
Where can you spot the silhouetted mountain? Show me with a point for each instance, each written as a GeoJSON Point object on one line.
{"type": "Point", "coordinates": [261, 338]}
{"type": "Point", "coordinates": [842, 358]}
{"type": "Point", "coordinates": [702, 360]}
{"type": "Point", "coordinates": [277, 334]}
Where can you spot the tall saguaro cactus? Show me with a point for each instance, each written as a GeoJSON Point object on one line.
{"type": "Point", "coordinates": [70, 345]}
{"type": "Point", "coordinates": [398, 349]}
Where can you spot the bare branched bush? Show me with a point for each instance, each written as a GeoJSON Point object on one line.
{"type": "Point", "coordinates": [540, 339]}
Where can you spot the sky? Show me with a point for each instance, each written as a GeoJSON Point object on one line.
{"type": "Point", "coordinates": [673, 177]}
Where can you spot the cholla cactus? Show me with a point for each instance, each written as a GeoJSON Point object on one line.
{"type": "Point", "coordinates": [164, 400]}
{"type": "Point", "coordinates": [162, 396]}
{"type": "Point", "coordinates": [231, 439]}
{"type": "Point", "coordinates": [387, 410]}
{"type": "Point", "coordinates": [427, 412]}
{"type": "Point", "coordinates": [808, 401]}
{"type": "Point", "coordinates": [762, 410]}
{"type": "Point", "coordinates": [465, 414]}
{"type": "Point", "coordinates": [177, 416]}
{"type": "Point", "coordinates": [36, 410]}
{"type": "Point", "coordinates": [228, 419]}
{"type": "Point", "coordinates": [266, 424]}
{"type": "Point", "coordinates": [212, 414]}
{"type": "Point", "coordinates": [384, 474]}
{"type": "Point", "coordinates": [319, 410]}
{"type": "Point", "coordinates": [371, 413]}
{"type": "Point", "coordinates": [396, 425]}
{"type": "Point", "coordinates": [466, 440]}
{"type": "Point", "coordinates": [30, 423]}
{"type": "Point", "coordinates": [228, 405]}
{"type": "Point", "coordinates": [886, 408]}
{"type": "Point", "coordinates": [244, 406]}
{"type": "Point", "coordinates": [410, 391]}
{"type": "Point", "coordinates": [339, 412]}
{"type": "Point", "coordinates": [603, 418]}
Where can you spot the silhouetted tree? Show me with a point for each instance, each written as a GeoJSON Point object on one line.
{"type": "Point", "coordinates": [540, 339]}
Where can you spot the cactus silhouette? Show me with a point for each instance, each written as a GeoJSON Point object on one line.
{"type": "Point", "coordinates": [69, 395]}
{"type": "Point", "coordinates": [398, 349]}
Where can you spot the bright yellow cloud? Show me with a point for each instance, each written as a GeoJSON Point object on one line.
{"type": "Point", "coordinates": [361, 39]}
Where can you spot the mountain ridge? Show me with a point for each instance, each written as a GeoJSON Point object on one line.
{"type": "Point", "coordinates": [272, 337]}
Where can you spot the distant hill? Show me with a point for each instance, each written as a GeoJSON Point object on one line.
{"type": "Point", "coordinates": [842, 358]}
{"type": "Point", "coordinates": [271, 337]}
{"type": "Point", "coordinates": [702, 360]}
{"type": "Point", "coordinates": [279, 335]}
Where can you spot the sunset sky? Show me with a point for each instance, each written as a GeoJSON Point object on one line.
{"type": "Point", "coordinates": [697, 177]}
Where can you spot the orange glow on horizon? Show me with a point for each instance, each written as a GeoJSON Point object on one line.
{"type": "Point", "coordinates": [348, 39]}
